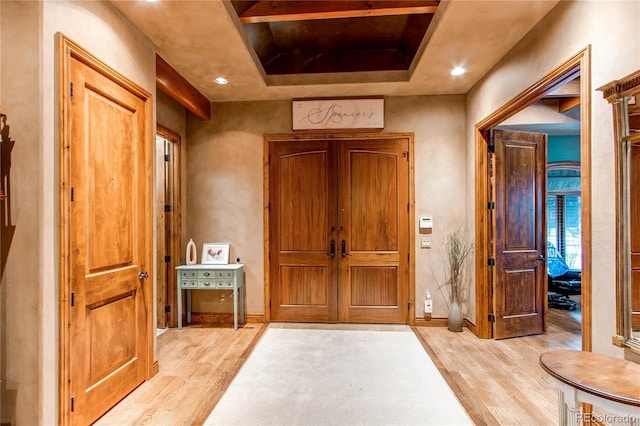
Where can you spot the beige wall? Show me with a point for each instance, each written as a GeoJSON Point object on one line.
{"type": "Point", "coordinates": [29, 282]}
{"type": "Point", "coordinates": [225, 183]}
{"type": "Point", "coordinates": [171, 114]}
{"type": "Point", "coordinates": [22, 335]}
{"type": "Point", "coordinates": [611, 28]}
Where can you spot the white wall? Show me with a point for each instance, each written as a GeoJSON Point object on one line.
{"type": "Point", "coordinates": [611, 28]}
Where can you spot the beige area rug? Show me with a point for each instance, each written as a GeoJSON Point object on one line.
{"type": "Point", "coordinates": [302, 376]}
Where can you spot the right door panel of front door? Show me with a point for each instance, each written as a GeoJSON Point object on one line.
{"type": "Point", "coordinates": [373, 229]}
{"type": "Point", "coordinates": [339, 230]}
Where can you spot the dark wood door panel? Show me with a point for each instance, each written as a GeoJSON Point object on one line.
{"type": "Point", "coordinates": [520, 270]}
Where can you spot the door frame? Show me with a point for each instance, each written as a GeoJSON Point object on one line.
{"type": "Point", "coordinates": [176, 220]}
{"type": "Point", "coordinates": [311, 136]}
{"type": "Point", "coordinates": [66, 50]}
{"type": "Point", "coordinates": [578, 65]}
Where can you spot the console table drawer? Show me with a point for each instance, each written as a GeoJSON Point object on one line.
{"type": "Point", "coordinates": [225, 275]}
{"type": "Point", "coordinates": [188, 283]}
{"type": "Point", "coordinates": [188, 274]}
{"type": "Point", "coordinates": [206, 284]}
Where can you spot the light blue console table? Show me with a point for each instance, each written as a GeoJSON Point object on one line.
{"type": "Point", "coordinates": [212, 277]}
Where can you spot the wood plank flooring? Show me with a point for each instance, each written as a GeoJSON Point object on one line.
{"type": "Point", "coordinates": [499, 382]}
{"type": "Point", "coordinates": [197, 365]}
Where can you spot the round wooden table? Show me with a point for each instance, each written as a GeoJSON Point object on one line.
{"type": "Point", "coordinates": [606, 382]}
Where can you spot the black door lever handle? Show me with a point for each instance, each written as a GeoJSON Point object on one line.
{"type": "Point", "coordinates": [332, 253]}
{"type": "Point", "coordinates": [344, 249]}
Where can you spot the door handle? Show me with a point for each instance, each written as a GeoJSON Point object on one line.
{"type": "Point", "coordinates": [332, 253]}
{"type": "Point", "coordinates": [143, 275]}
{"type": "Point", "coordinates": [344, 249]}
{"type": "Point", "coordinates": [541, 257]}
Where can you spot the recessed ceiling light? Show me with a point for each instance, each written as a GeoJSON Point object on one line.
{"type": "Point", "coordinates": [458, 71]}
{"type": "Point", "coordinates": [221, 80]}
{"type": "Point", "coordinates": [151, 1]}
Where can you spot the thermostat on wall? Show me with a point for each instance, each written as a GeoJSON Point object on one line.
{"type": "Point", "coordinates": [426, 222]}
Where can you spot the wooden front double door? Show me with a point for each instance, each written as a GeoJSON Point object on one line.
{"type": "Point", "coordinates": [339, 228]}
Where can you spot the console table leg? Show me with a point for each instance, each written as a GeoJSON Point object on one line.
{"type": "Point", "coordinates": [179, 307]}
{"type": "Point", "coordinates": [235, 307]}
{"type": "Point", "coordinates": [188, 306]}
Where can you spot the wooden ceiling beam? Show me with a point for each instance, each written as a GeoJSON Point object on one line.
{"type": "Point", "coordinates": [289, 10]}
{"type": "Point", "coordinates": [173, 84]}
{"type": "Point", "coordinates": [565, 104]}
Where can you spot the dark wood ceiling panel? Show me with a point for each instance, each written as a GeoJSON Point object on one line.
{"type": "Point", "coordinates": [382, 32]}
{"type": "Point", "coordinates": [298, 37]}
{"type": "Point", "coordinates": [414, 32]}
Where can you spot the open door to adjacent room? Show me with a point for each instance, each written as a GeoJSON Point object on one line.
{"type": "Point", "coordinates": [519, 176]}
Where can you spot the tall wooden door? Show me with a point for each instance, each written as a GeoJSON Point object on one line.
{"type": "Point", "coordinates": [373, 213]}
{"type": "Point", "coordinates": [520, 277]}
{"type": "Point", "coordinates": [339, 238]}
{"type": "Point", "coordinates": [168, 224]}
{"type": "Point", "coordinates": [109, 243]}
{"type": "Point", "coordinates": [302, 221]}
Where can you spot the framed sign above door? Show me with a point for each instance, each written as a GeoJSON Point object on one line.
{"type": "Point", "coordinates": [322, 114]}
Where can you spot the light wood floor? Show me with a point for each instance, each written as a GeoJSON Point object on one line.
{"type": "Point", "coordinates": [197, 365]}
{"type": "Point", "coordinates": [498, 382]}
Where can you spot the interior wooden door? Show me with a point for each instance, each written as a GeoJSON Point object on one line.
{"type": "Point", "coordinates": [163, 228]}
{"type": "Point", "coordinates": [109, 243]}
{"type": "Point", "coordinates": [302, 231]}
{"type": "Point", "coordinates": [373, 212]}
{"type": "Point", "coordinates": [520, 277]}
{"type": "Point", "coordinates": [339, 239]}
{"type": "Point", "coordinates": [168, 213]}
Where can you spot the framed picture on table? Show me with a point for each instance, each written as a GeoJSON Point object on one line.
{"type": "Point", "coordinates": [215, 253]}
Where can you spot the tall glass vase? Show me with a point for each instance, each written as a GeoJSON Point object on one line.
{"type": "Point", "coordinates": [454, 319]}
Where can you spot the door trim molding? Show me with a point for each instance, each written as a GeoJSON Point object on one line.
{"type": "Point", "coordinates": [66, 50]}
{"type": "Point", "coordinates": [578, 65]}
{"type": "Point", "coordinates": [310, 136]}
